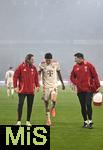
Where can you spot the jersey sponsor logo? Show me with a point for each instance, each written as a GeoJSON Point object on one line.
{"type": "Point", "coordinates": [50, 73]}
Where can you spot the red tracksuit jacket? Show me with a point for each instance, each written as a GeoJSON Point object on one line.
{"type": "Point", "coordinates": [85, 77]}
{"type": "Point", "coordinates": [26, 78]}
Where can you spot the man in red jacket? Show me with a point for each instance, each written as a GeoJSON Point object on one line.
{"type": "Point", "coordinates": [25, 80]}
{"type": "Point", "coordinates": [85, 77]}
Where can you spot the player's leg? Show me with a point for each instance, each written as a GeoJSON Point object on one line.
{"type": "Point", "coordinates": [46, 97]}
{"type": "Point", "coordinates": [48, 120]}
{"type": "Point", "coordinates": [8, 89]}
{"type": "Point", "coordinates": [53, 99]}
{"type": "Point", "coordinates": [12, 89]}
{"type": "Point", "coordinates": [30, 99]}
{"type": "Point", "coordinates": [89, 97]}
{"type": "Point", "coordinates": [20, 107]}
{"type": "Point", "coordinates": [82, 100]}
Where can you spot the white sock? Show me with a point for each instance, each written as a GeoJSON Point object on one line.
{"type": "Point", "coordinates": [12, 91]}
{"type": "Point", "coordinates": [48, 115]}
{"type": "Point", "coordinates": [90, 121]}
{"type": "Point", "coordinates": [86, 121]}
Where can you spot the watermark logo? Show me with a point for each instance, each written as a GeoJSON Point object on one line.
{"type": "Point", "coordinates": [23, 137]}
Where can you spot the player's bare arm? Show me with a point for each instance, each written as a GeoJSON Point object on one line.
{"type": "Point", "coordinates": [60, 78]}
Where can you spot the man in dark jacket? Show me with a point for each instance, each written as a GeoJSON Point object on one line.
{"type": "Point", "coordinates": [85, 77]}
{"type": "Point", "coordinates": [25, 80]}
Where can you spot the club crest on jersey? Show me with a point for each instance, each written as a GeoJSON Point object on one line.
{"type": "Point", "coordinates": [24, 70]}
{"type": "Point", "coordinates": [53, 66]}
{"type": "Point", "coordinates": [77, 69]}
{"type": "Point", "coordinates": [32, 70]}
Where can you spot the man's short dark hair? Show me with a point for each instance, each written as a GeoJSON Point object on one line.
{"type": "Point", "coordinates": [10, 67]}
{"type": "Point", "coordinates": [28, 57]}
{"type": "Point", "coordinates": [79, 55]}
{"type": "Point", "coordinates": [48, 56]}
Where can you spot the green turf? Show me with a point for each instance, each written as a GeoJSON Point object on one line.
{"type": "Point", "coordinates": [67, 134]}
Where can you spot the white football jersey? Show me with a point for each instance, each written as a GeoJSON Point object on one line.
{"type": "Point", "coordinates": [9, 75]}
{"type": "Point", "coordinates": [49, 74]}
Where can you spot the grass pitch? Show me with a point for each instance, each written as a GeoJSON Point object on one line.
{"type": "Point", "coordinates": [67, 132]}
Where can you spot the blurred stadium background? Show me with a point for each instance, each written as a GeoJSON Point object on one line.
{"type": "Point", "coordinates": [62, 27]}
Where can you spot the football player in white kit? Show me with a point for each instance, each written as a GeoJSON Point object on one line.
{"type": "Point", "coordinates": [50, 71]}
{"type": "Point", "coordinates": [9, 81]}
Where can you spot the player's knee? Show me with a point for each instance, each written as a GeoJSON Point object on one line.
{"type": "Point", "coordinates": [53, 97]}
